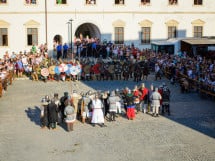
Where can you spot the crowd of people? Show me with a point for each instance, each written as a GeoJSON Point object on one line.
{"type": "Point", "coordinates": [96, 107]}
{"type": "Point", "coordinates": [97, 60]}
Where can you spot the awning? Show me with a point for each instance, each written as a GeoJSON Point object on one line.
{"type": "Point", "coordinates": [165, 42]}
{"type": "Point", "coordinates": [200, 41]}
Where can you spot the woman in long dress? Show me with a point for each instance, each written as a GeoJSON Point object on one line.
{"type": "Point", "coordinates": [97, 114]}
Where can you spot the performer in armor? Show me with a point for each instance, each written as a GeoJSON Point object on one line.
{"type": "Point", "coordinates": [155, 98]}
{"type": "Point", "coordinates": [70, 118]}
{"type": "Point", "coordinates": [44, 112]}
{"type": "Point", "coordinates": [85, 107]}
{"type": "Point", "coordinates": [112, 100]}
{"type": "Point", "coordinates": [165, 100]}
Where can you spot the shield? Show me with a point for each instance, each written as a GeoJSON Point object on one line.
{"type": "Point", "coordinates": [78, 68]}
{"type": "Point", "coordinates": [45, 72]}
{"type": "Point", "coordinates": [63, 67]}
{"type": "Point", "coordinates": [68, 70]}
{"type": "Point", "coordinates": [87, 69]}
{"type": "Point", "coordinates": [73, 70]}
{"type": "Point", "coordinates": [52, 69]}
{"type": "Point", "coordinates": [111, 69]}
{"type": "Point", "coordinates": [56, 70]}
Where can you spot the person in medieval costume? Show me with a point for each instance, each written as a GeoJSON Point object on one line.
{"type": "Point", "coordinates": [52, 114]}
{"type": "Point", "coordinates": [75, 98]}
{"type": "Point", "coordinates": [85, 107]}
{"type": "Point", "coordinates": [97, 114]}
{"type": "Point", "coordinates": [143, 98]}
{"type": "Point", "coordinates": [136, 94]}
{"type": "Point", "coordinates": [112, 100]}
{"type": "Point", "coordinates": [44, 112]}
{"type": "Point", "coordinates": [129, 98]}
{"type": "Point", "coordinates": [57, 102]}
{"type": "Point", "coordinates": [70, 118]}
{"type": "Point", "coordinates": [155, 98]}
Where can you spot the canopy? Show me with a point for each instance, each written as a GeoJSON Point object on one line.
{"type": "Point", "coordinates": [200, 41]}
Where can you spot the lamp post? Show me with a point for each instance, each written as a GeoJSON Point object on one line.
{"type": "Point", "coordinates": [68, 23]}
{"type": "Point", "coordinates": [71, 34]}
{"type": "Point", "coordinates": [46, 28]}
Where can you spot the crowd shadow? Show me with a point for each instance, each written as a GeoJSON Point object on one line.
{"type": "Point", "coordinates": [199, 117]}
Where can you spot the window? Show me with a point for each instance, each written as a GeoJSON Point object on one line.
{"type": "Point", "coordinates": [31, 1]}
{"type": "Point", "coordinates": [3, 1]}
{"type": "Point", "coordinates": [172, 32]}
{"type": "Point", "coordinates": [198, 31]}
{"type": "Point", "coordinates": [90, 1]}
{"type": "Point", "coordinates": [119, 35]}
{"type": "Point", "coordinates": [32, 36]}
{"type": "Point", "coordinates": [173, 2]}
{"type": "Point", "coordinates": [197, 2]}
{"type": "Point", "coordinates": [61, 2]}
{"type": "Point", "coordinates": [119, 2]}
{"type": "Point", "coordinates": [144, 2]}
{"type": "Point", "coordinates": [145, 35]}
{"type": "Point", "coordinates": [3, 37]}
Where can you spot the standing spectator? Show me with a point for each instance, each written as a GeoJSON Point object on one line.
{"type": "Point", "coordinates": [34, 49]}
{"type": "Point", "coordinates": [59, 51]}
{"type": "Point", "coordinates": [19, 67]}
{"type": "Point", "coordinates": [65, 50]}
{"type": "Point", "coordinates": [155, 98]}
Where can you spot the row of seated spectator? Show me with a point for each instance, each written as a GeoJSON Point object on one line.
{"type": "Point", "coordinates": [196, 74]}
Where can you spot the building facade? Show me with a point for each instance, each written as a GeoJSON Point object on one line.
{"type": "Point", "coordinates": [24, 23]}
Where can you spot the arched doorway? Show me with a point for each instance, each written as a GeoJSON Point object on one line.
{"type": "Point", "coordinates": [88, 30]}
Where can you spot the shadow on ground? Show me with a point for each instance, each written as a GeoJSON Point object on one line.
{"type": "Point", "coordinates": [187, 109]}
{"type": "Point", "coordinates": [33, 113]}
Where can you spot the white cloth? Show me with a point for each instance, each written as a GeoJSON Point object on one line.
{"type": "Point", "coordinates": [97, 114]}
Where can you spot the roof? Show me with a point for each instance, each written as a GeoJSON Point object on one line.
{"type": "Point", "coordinates": [200, 41]}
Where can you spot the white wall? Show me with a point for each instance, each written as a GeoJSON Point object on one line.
{"type": "Point", "coordinates": [103, 14]}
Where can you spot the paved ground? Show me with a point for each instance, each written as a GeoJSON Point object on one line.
{"type": "Point", "coordinates": [187, 135]}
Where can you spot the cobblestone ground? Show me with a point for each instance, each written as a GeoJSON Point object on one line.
{"type": "Point", "coordinates": [187, 135]}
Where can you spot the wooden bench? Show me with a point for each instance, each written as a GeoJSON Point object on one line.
{"type": "Point", "coordinates": [206, 93]}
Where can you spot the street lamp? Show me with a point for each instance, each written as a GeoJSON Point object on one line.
{"type": "Point", "coordinates": [68, 23]}
{"type": "Point", "coordinates": [71, 33]}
